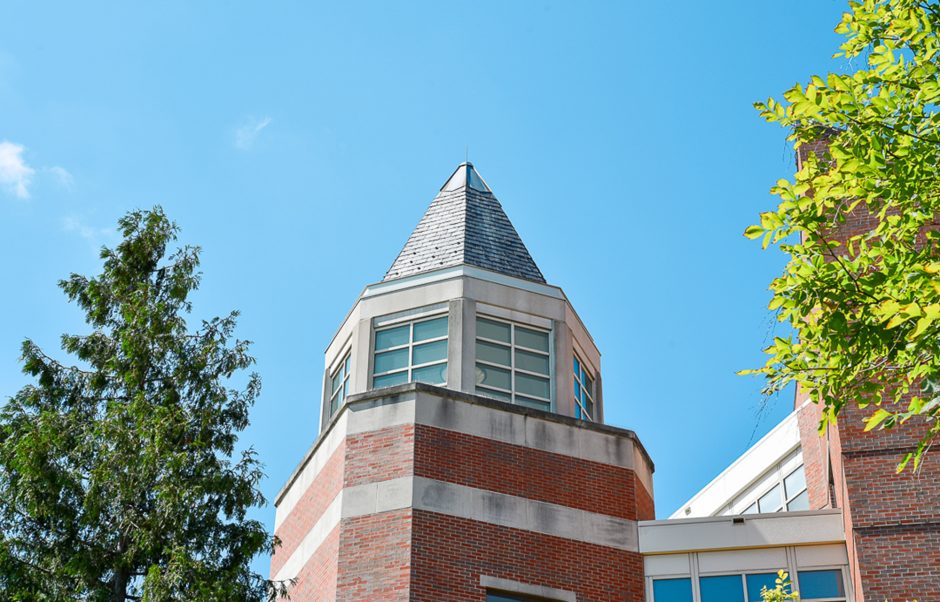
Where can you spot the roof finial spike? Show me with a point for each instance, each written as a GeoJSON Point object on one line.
{"type": "Point", "coordinates": [466, 154]}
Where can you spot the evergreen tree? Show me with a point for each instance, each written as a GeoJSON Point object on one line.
{"type": "Point", "coordinates": [118, 475]}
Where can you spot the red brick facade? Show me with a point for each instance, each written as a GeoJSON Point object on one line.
{"type": "Point", "coordinates": [450, 555]}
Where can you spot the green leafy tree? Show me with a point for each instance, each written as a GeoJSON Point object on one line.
{"type": "Point", "coordinates": [781, 591]}
{"type": "Point", "coordinates": [119, 478]}
{"type": "Point", "coordinates": [867, 309]}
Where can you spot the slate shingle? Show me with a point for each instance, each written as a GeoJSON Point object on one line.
{"type": "Point", "coordinates": [465, 224]}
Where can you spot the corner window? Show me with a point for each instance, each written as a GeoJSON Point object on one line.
{"type": "Point", "coordinates": [513, 363]}
{"type": "Point", "coordinates": [411, 352]}
{"type": "Point", "coordinates": [821, 585]}
{"type": "Point", "coordinates": [583, 391]}
{"type": "Point", "coordinates": [339, 385]}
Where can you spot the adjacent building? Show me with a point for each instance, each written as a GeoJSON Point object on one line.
{"type": "Point", "coordinates": [463, 455]}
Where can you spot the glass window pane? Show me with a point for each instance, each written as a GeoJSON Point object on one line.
{"type": "Point", "coordinates": [800, 502]}
{"type": "Point", "coordinates": [821, 584]}
{"type": "Point", "coordinates": [494, 394]}
{"type": "Point", "coordinates": [589, 385]}
{"type": "Point", "coordinates": [433, 375]}
{"type": "Point", "coordinates": [577, 411]}
{"type": "Point", "coordinates": [532, 385]}
{"type": "Point", "coordinates": [429, 352]}
{"type": "Point", "coordinates": [533, 339]}
{"type": "Point", "coordinates": [431, 329]}
{"type": "Point", "coordinates": [490, 329]}
{"type": "Point", "coordinates": [752, 509]}
{"type": "Point", "coordinates": [336, 381]}
{"type": "Point", "coordinates": [391, 360]}
{"type": "Point", "coordinates": [756, 582]}
{"type": "Point", "coordinates": [533, 362]}
{"type": "Point", "coordinates": [390, 379]}
{"type": "Point", "coordinates": [577, 367]}
{"type": "Point", "coordinates": [533, 403]}
{"type": "Point", "coordinates": [796, 482]}
{"type": "Point", "coordinates": [392, 337]}
{"type": "Point", "coordinates": [346, 364]}
{"type": "Point", "coordinates": [491, 352]}
{"type": "Point", "coordinates": [589, 407]}
{"type": "Point", "coordinates": [770, 501]}
{"type": "Point", "coordinates": [577, 391]}
{"type": "Point", "coordinates": [494, 377]}
{"type": "Point", "coordinates": [726, 588]}
{"type": "Point", "coordinates": [672, 590]}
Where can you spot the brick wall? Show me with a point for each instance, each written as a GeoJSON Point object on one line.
{"type": "Point", "coordinates": [375, 557]}
{"type": "Point", "coordinates": [309, 508]}
{"type": "Point", "coordinates": [815, 456]}
{"type": "Point", "coordinates": [530, 473]}
{"type": "Point", "coordinates": [450, 554]}
{"type": "Point", "coordinates": [317, 580]}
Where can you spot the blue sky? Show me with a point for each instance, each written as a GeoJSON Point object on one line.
{"type": "Point", "coordinates": [299, 144]}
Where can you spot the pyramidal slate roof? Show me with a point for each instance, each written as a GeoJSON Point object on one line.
{"type": "Point", "coordinates": [465, 224]}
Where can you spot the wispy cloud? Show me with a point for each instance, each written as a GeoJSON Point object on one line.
{"type": "Point", "coordinates": [95, 236]}
{"type": "Point", "coordinates": [15, 174]}
{"type": "Point", "coordinates": [247, 133]}
{"type": "Point", "coordinates": [62, 176]}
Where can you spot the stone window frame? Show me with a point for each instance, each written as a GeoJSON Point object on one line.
{"type": "Point", "coordinates": [501, 393]}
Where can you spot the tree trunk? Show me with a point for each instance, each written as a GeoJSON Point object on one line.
{"type": "Point", "coordinates": [119, 590]}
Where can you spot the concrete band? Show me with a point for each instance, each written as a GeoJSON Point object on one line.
{"type": "Point", "coordinates": [415, 406]}
{"type": "Point", "coordinates": [463, 502]}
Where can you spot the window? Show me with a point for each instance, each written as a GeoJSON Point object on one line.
{"type": "Point", "coordinates": [821, 585]}
{"type": "Point", "coordinates": [795, 486]}
{"type": "Point", "coordinates": [735, 588]}
{"type": "Point", "coordinates": [781, 489]}
{"type": "Point", "coordinates": [583, 392]}
{"type": "Point", "coordinates": [339, 385]}
{"type": "Point", "coordinates": [414, 351]}
{"type": "Point", "coordinates": [757, 582]}
{"type": "Point", "coordinates": [723, 588]}
{"type": "Point", "coordinates": [672, 590]}
{"type": "Point", "coordinates": [513, 363]}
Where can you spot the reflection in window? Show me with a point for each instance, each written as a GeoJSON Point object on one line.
{"type": "Point", "coordinates": [339, 385]}
{"type": "Point", "coordinates": [414, 351]}
{"type": "Point", "coordinates": [672, 590]}
{"type": "Point", "coordinates": [583, 391]}
{"type": "Point", "coordinates": [815, 585]}
{"type": "Point", "coordinates": [513, 363]}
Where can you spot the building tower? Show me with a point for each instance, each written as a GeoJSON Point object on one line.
{"type": "Point", "coordinates": [462, 453]}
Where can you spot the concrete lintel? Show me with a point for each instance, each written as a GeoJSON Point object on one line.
{"type": "Point", "coordinates": [527, 589]}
